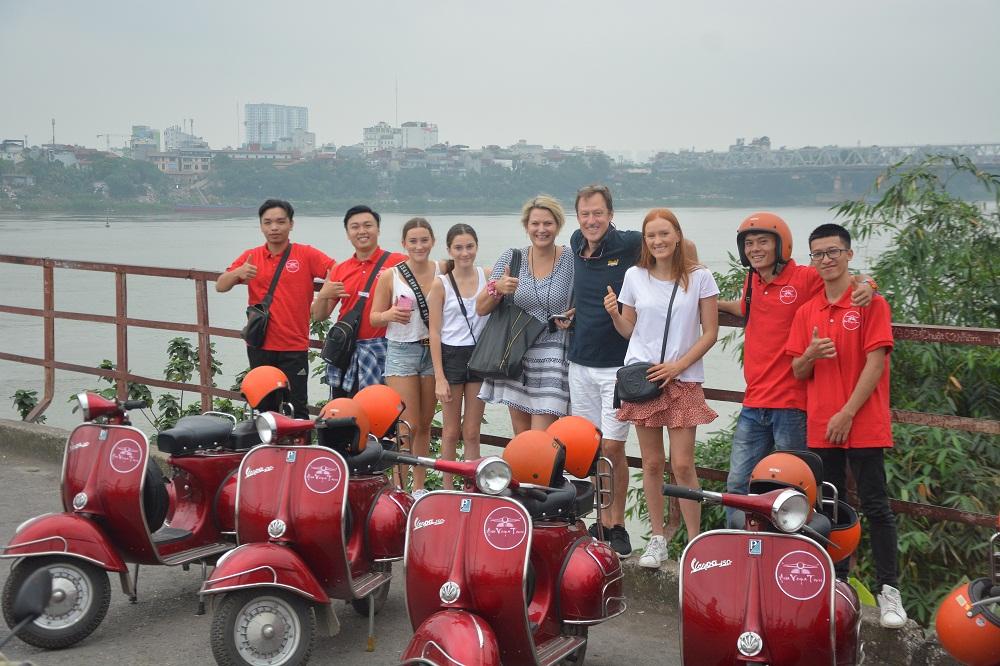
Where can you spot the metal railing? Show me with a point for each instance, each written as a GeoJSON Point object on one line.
{"type": "Point", "coordinates": [204, 330]}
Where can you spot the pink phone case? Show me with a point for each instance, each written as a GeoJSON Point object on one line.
{"type": "Point", "coordinates": [404, 302]}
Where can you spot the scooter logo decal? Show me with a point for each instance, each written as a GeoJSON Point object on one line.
{"type": "Point", "coordinates": [505, 528]}
{"type": "Point", "coordinates": [756, 546]}
{"type": "Point", "coordinates": [254, 471]}
{"type": "Point", "coordinates": [697, 566]}
{"type": "Point", "coordinates": [78, 445]}
{"type": "Point", "coordinates": [800, 575]}
{"type": "Point", "coordinates": [430, 522]}
{"type": "Point", "coordinates": [749, 644]}
{"type": "Point", "coordinates": [125, 456]}
{"type": "Point", "coordinates": [322, 475]}
{"type": "Point", "coordinates": [466, 505]}
{"type": "Point", "coordinates": [449, 592]}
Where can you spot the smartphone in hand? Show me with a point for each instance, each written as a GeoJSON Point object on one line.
{"type": "Point", "coordinates": [404, 303]}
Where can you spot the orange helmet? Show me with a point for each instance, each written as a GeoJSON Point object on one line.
{"type": "Point", "coordinates": [382, 405]}
{"type": "Point", "coordinates": [349, 429]}
{"type": "Point", "coordinates": [768, 223]}
{"type": "Point", "coordinates": [535, 456]}
{"type": "Point", "coordinates": [845, 532]}
{"type": "Point", "coordinates": [783, 470]}
{"type": "Point", "coordinates": [971, 640]}
{"type": "Point", "coordinates": [265, 388]}
{"type": "Point", "coordinates": [582, 440]}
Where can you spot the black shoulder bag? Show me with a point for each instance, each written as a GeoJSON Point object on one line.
{"type": "Point", "coordinates": [418, 293]}
{"type": "Point", "coordinates": [508, 334]}
{"type": "Point", "coordinates": [338, 347]}
{"type": "Point", "coordinates": [632, 384]}
{"type": "Point", "coordinates": [259, 314]}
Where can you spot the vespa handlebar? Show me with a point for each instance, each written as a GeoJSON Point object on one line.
{"type": "Point", "coordinates": [133, 404]}
{"type": "Point", "coordinates": [683, 492]}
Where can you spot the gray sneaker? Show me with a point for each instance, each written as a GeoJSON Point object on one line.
{"type": "Point", "coordinates": [655, 554]}
{"type": "Point", "coordinates": [890, 606]}
{"type": "Point", "coordinates": [620, 542]}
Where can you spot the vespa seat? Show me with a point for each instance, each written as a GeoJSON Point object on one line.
{"type": "Point", "coordinates": [557, 503]}
{"type": "Point", "coordinates": [194, 433]}
{"type": "Point", "coordinates": [537, 458]}
{"type": "Point", "coordinates": [243, 437]}
{"type": "Point", "coordinates": [368, 461]}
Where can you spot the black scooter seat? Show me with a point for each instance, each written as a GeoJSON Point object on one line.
{"type": "Point", "coordinates": [560, 503]}
{"type": "Point", "coordinates": [243, 437]}
{"type": "Point", "coordinates": [368, 461]}
{"type": "Point", "coordinates": [194, 433]}
{"type": "Point", "coordinates": [584, 497]}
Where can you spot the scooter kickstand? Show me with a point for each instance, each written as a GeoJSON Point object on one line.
{"type": "Point", "coordinates": [371, 623]}
{"type": "Point", "coordinates": [134, 597]}
{"type": "Point", "coordinates": [201, 599]}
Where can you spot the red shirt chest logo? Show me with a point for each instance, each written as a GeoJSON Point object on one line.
{"type": "Point", "coordinates": [292, 265]}
{"type": "Point", "coordinates": [788, 294]}
{"type": "Point", "coordinates": [851, 320]}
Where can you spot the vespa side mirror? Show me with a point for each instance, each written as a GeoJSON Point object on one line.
{"type": "Point", "coordinates": [30, 602]}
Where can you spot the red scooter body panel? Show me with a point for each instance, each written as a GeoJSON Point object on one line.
{"type": "Point", "coordinates": [362, 493]}
{"type": "Point", "coordinates": [453, 637]}
{"type": "Point", "coordinates": [756, 597]}
{"type": "Point", "coordinates": [305, 488]}
{"type": "Point", "coordinates": [264, 565]}
{"type": "Point", "coordinates": [65, 533]}
{"type": "Point", "coordinates": [196, 484]}
{"type": "Point", "coordinates": [480, 544]}
{"type": "Point", "coordinates": [387, 524]}
{"type": "Point", "coordinates": [847, 622]}
{"type": "Point", "coordinates": [590, 589]}
{"type": "Point", "coordinates": [225, 503]}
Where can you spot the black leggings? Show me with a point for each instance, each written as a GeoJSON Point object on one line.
{"type": "Point", "coordinates": [295, 365]}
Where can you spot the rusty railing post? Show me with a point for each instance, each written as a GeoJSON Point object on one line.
{"type": "Point", "coordinates": [121, 335]}
{"type": "Point", "coordinates": [204, 348]}
{"type": "Point", "coordinates": [49, 330]}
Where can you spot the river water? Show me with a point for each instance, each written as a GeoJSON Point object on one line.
{"type": "Point", "coordinates": [212, 242]}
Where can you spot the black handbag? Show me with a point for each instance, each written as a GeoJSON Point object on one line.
{"type": "Point", "coordinates": [338, 346]}
{"type": "Point", "coordinates": [508, 334]}
{"type": "Point", "coordinates": [631, 384]}
{"type": "Point", "coordinates": [259, 314]}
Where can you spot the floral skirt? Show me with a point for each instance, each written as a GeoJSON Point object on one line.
{"type": "Point", "coordinates": [681, 405]}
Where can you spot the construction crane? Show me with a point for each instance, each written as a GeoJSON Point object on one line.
{"type": "Point", "coordinates": [107, 138]}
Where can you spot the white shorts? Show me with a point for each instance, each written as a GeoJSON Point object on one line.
{"type": "Point", "coordinates": [592, 393]}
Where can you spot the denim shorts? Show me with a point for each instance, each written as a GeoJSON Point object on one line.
{"type": "Point", "coordinates": [408, 359]}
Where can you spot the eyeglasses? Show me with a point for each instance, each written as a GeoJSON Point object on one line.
{"type": "Point", "coordinates": [833, 254]}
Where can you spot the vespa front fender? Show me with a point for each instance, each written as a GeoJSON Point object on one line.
{"type": "Point", "coordinates": [453, 637]}
{"type": "Point", "coordinates": [65, 534]}
{"type": "Point", "coordinates": [264, 565]}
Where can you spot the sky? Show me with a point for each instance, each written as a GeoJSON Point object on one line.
{"type": "Point", "coordinates": [620, 76]}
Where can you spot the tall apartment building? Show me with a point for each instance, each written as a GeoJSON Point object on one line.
{"type": "Point", "coordinates": [383, 136]}
{"type": "Point", "coordinates": [267, 123]}
{"type": "Point", "coordinates": [420, 135]}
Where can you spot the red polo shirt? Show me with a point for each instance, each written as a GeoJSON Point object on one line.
{"type": "Point", "coordinates": [288, 329]}
{"type": "Point", "coordinates": [354, 274]}
{"type": "Point", "coordinates": [855, 332]}
{"type": "Point", "coordinates": [766, 368]}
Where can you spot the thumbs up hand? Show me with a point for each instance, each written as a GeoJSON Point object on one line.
{"type": "Point", "coordinates": [507, 284]}
{"type": "Point", "coordinates": [611, 303]}
{"type": "Point", "coordinates": [820, 347]}
{"type": "Point", "coordinates": [247, 271]}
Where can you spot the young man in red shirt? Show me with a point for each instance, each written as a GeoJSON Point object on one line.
{"type": "Point", "coordinates": [286, 345]}
{"type": "Point", "coordinates": [841, 352]}
{"type": "Point", "coordinates": [345, 285]}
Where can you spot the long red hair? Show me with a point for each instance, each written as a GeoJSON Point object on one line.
{"type": "Point", "coordinates": [680, 264]}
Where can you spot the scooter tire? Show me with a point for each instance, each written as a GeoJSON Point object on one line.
{"type": "Point", "coordinates": [223, 634]}
{"type": "Point", "coordinates": [360, 606]}
{"type": "Point", "coordinates": [76, 575]}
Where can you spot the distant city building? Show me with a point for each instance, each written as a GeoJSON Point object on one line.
{"type": "Point", "coordinates": [145, 141]}
{"type": "Point", "coordinates": [382, 136]}
{"type": "Point", "coordinates": [175, 138]}
{"type": "Point", "coordinates": [12, 150]}
{"type": "Point", "coordinates": [268, 123]}
{"type": "Point", "coordinates": [301, 141]}
{"type": "Point", "coordinates": [420, 135]}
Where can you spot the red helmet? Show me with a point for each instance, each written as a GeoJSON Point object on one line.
{"type": "Point", "coordinates": [783, 470]}
{"type": "Point", "coordinates": [582, 440]}
{"type": "Point", "coordinates": [265, 382]}
{"type": "Point", "coordinates": [768, 223]}
{"type": "Point", "coordinates": [348, 431]}
{"type": "Point", "coordinates": [535, 456]}
{"type": "Point", "coordinates": [382, 405]}
{"type": "Point", "coordinates": [971, 640]}
{"type": "Point", "coordinates": [845, 532]}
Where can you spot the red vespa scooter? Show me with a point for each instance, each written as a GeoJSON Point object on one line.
{"type": "Point", "coordinates": [509, 575]}
{"type": "Point", "coordinates": [767, 593]}
{"type": "Point", "coordinates": [117, 508]}
{"type": "Point", "coordinates": [315, 524]}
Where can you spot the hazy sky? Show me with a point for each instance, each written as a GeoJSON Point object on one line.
{"type": "Point", "coordinates": [613, 74]}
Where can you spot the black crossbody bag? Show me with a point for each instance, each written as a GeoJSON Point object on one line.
{"type": "Point", "coordinates": [341, 339]}
{"type": "Point", "coordinates": [259, 314]}
{"type": "Point", "coordinates": [631, 384]}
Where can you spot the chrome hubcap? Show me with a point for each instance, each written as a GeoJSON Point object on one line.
{"type": "Point", "coordinates": [70, 600]}
{"type": "Point", "coordinates": [267, 632]}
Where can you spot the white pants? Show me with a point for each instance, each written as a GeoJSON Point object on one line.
{"type": "Point", "coordinates": [592, 392]}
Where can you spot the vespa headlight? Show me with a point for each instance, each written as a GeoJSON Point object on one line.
{"type": "Point", "coordinates": [84, 405]}
{"type": "Point", "coordinates": [790, 511]}
{"type": "Point", "coordinates": [493, 476]}
{"type": "Point", "coordinates": [267, 428]}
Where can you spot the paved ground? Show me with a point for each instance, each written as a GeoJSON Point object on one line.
{"type": "Point", "coordinates": [162, 628]}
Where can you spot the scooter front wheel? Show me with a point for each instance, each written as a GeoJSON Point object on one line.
{"type": "Point", "coordinates": [80, 597]}
{"type": "Point", "coordinates": [263, 627]}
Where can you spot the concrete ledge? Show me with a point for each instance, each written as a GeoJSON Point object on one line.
{"type": "Point", "coordinates": [910, 645]}
{"type": "Point", "coordinates": [44, 442]}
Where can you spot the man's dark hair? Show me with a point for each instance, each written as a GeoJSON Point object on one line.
{"type": "Point", "coordinates": [590, 190]}
{"type": "Point", "coordinates": [357, 210]}
{"type": "Point", "coordinates": [276, 203]}
{"type": "Point", "coordinates": [830, 229]}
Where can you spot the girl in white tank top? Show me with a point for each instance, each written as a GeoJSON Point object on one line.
{"type": "Point", "coordinates": [453, 336]}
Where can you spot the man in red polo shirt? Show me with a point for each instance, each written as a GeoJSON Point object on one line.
{"type": "Point", "coordinates": [345, 285]}
{"type": "Point", "coordinates": [286, 345]}
{"type": "Point", "coordinates": [842, 353]}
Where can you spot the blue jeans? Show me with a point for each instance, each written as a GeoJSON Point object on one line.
{"type": "Point", "coordinates": [759, 431]}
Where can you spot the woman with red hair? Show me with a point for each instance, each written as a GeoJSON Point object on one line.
{"type": "Point", "coordinates": [667, 282]}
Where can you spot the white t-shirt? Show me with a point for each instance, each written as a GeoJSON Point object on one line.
{"type": "Point", "coordinates": [650, 297]}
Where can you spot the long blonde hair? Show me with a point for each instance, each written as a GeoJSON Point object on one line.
{"type": "Point", "coordinates": [680, 264]}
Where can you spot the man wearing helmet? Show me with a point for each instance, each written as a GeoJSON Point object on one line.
{"type": "Point", "coordinates": [841, 352]}
{"type": "Point", "coordinates": [773, 416]}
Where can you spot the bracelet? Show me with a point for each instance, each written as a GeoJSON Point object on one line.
{"type": "Point", "coordinates": [491, 289]}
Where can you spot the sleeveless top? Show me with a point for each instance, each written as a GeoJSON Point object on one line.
{"type": "Point", "coordinates": [415, 329]}
{"type": "Point", "coordinates": [454, 329]}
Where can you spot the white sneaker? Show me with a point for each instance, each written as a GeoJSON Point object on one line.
{"type": "Point", "coordinates": [418, 493]}
{"type": "Point", "coordinates": [890, 604]}
{"type": "Point", "coordinates": [655, 553]}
